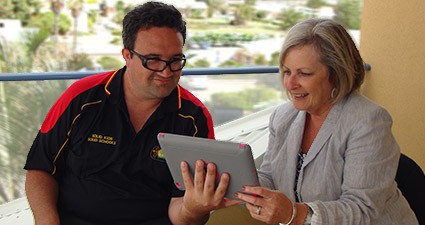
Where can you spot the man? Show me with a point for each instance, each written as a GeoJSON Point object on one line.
{"type": "Point", "coordinates": [96, 159]}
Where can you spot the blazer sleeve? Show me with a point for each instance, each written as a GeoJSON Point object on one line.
{"type": "Point", "coordinates": [265, 172]}
{"type": "Point", "coordinates": [370, 164]}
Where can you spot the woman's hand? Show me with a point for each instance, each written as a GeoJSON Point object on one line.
{"type": "Point", "coordinates": [275, 206]}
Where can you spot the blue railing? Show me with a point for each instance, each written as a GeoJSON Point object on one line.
{"type": "Point", "coordinates": [191, 71]}
{"type": "Point", "coordinates": [79, 75]}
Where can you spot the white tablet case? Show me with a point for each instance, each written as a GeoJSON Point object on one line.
{"type": "Point", "coordinates": [233, 158]}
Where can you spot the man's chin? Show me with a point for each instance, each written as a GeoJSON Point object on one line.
{"type": "Point", "coordinates": [162, 92]}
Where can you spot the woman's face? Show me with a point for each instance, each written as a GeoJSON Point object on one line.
{"type": "Point", "coordinates": [307, 80]}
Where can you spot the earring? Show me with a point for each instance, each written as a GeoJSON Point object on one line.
{"type": "Point", "coordinates": [333, 93]}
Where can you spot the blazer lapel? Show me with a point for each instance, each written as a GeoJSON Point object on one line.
{"type": "Point", "coordinates": [293, 146]}
{"type": "Point", "coordinates": [325, 131]}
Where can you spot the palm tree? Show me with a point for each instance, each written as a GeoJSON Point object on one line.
{"type": "Point", "coordinates": [56, 7]}
{"type": "Point", "coordinates": [76, 7]}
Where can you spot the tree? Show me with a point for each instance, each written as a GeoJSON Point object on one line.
{"type": "Point", "coordinates": [215, 5]}
{"type": "Point", "coordinates": [290, 17]}
{"type": "Point", "coordinates": [103, 8]}
{"type": "Point", "coordinates": [315, 3]}
{"type": "Point", "coordinates": [56, 6]}
{"type": "Point", "coordinates": [348, 13]}
{"type": "Point", "coordinates": [76, 7]}
{"type": "Point", "coordinates": [243, 13]}
{"type": "Point", "coordinates": [22, 10]}
{"type": "Point", "coordinates": [46, 21]}
{"type": "Point", "coordinates": [120, 11]}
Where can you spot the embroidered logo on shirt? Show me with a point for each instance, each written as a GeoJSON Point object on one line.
{"type": "Point", "coordinates": [98, 138]}
{"type": "Point", "coordinates": [157, 154]}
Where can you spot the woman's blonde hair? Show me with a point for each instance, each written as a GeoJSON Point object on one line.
{"type": "Point", "coordinates": [336, 50]}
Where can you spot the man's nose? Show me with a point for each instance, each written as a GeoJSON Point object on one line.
{"type": "Point", "coordinates": [167, 71]}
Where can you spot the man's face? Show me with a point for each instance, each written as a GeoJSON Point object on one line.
{"type": "Point", "coordinates": [156, 42]}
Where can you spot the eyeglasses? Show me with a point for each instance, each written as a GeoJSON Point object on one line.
{"type": "Point", "coordinates": [159, 65]}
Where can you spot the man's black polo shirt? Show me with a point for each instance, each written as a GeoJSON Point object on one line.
{"type": "Point", "coordinates": [108, 173]}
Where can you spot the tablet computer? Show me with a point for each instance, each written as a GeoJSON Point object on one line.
{"type": "Point", "coordinates": [229, 157]}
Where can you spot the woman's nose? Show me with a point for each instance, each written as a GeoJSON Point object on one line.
{"type": "Point", "coordinates": [291, 82]}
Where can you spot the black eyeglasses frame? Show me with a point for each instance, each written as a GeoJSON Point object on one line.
{"type": "Point", "coordinates": [144, 60]}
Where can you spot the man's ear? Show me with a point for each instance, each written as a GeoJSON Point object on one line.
{"type": "Point", "coordinates": [126, 54]}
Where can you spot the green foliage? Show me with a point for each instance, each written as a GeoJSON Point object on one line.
{"type": "Point", "coordinates": [261, 15]}
{"type": "Point", "coordinates": [93, 16]}
{"type": "Point", "coordinates": [274, 59]}
{"type": "Point", "coordinates": [116, 32]}
{"type": "Point", "coordinates": [46, 21]}
{"type": "Point", "coordinates": [201, 63]}
{"type": "Point", "coordinates": [110, 63]}
{"type": "Point", "coordinates": [121, 9]}
{"type": "Point", "coordinates": [245, 99]}
{"type": "Point", "coordinates": [116, 41]}
{"type": "Point", "coordinates": [33, 41]}
{"type": "Point", "coordinates": [24, 105]}
{"type": "Point", "coordinates": [243, 13]}
{"type": "Point", "coordinates": [315, 3]}
{"type": "Point", "coordinates": [12, 60]}
{"type": "Point", "coordinates": [231, 63]}
{"type": "Point", "coordinates": [348, 13]}
{"type": "Point", "coordinates": [80, 61]}
{"type": "Point", "coordinates": [214, 6]}
{"type": "Point", "coordinates": [250, 2]}
{"type": "Point", "coordinates": [290, 17]}
{"type": "Point", "coordinates": [12, 9]}
{"type": "Point", "coordinates": [196, 13]}
{"type": "Point", "coordinates": [260, 60]}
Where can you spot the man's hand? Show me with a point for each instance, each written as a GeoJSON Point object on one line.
{"type": "Point", "coordinates": [201, 196]}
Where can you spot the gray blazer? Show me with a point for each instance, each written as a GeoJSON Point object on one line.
{"type": "Point", "coordinates": [348, 173]}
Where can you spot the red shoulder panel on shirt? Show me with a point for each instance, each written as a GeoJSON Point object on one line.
{"type": "Point", "coordinates": [74, 90]}
{"type": "Point", "coordinates": [185, 94]}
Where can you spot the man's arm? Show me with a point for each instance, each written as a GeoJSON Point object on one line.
{"type": "Point", "coordinates": [42, 193]}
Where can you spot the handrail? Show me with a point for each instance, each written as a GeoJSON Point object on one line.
{"type": "Point", "coordinates": [192, 71]}
{"type": "Point", "coordinates": [78, 75]}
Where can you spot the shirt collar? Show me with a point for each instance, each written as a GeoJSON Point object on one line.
{"type": "Point", "coordinates": [114, 88]}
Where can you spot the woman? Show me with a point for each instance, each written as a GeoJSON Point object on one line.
{"type": "Point", "coordinates": [331, 157]}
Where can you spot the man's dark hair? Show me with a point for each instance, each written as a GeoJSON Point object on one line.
{"type": "Point", "coordinates": [151, 14]}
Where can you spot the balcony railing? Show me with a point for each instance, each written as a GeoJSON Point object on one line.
{"type": "Point", "coordinates": [79, 75]}
{"type": "Point", "coordinates": [25, 98]}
